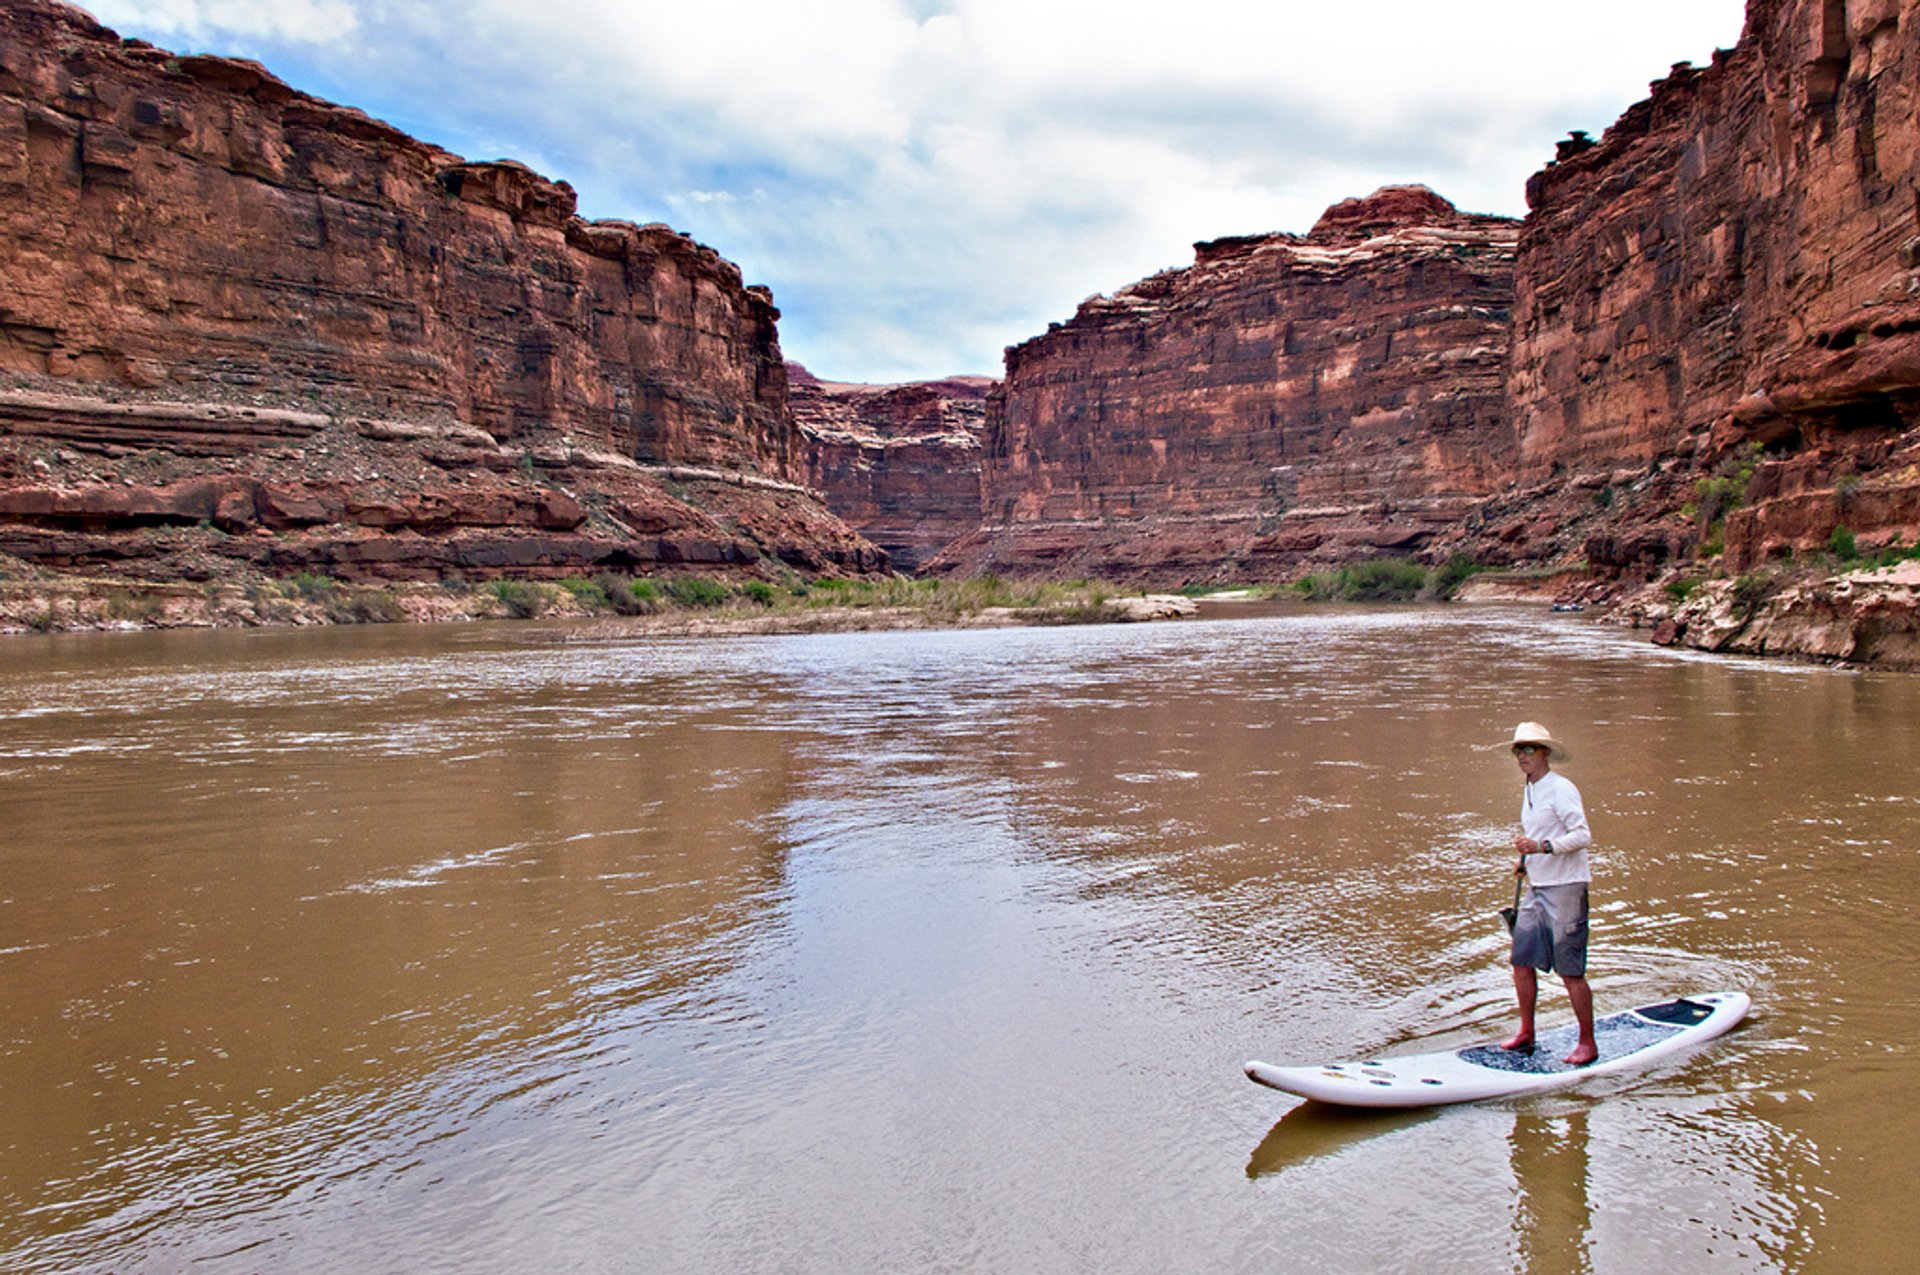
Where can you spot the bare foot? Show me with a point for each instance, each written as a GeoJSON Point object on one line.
{"type": "Point", "coordinates": [1522, 1041]}
{"type": "Point", "coordinates": [1582, 1055]}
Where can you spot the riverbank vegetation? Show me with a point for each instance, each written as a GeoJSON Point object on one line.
{"type": "Point", "coordinates": [34, 599]}
{"type": "Point", "coordinates": [935, 599]}
{"type": "Point", "coordinates": [39, 600]}
{"type": "Point", "coordinates": [1389, 580]}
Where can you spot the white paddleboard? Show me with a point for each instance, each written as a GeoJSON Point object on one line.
{"type": "Point", "coordinates": [1629, 1039]}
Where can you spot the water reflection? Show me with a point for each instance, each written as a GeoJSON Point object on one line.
{"type": "Point", "coordinates": [1313, 1130]}
{"type": "Point", "coordinates": [1552, 1216]}
{"type": "Point", "coordinates": [924, 950]}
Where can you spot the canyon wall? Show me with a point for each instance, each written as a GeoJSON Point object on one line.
{"type": "Point", "coordinates": [243, 326]}
{"type": "Point", "coordinates": [901, 463]}
{"type": "Point", "coordinates": [247, 329]}
{"type": "Point", "coordinates": [1700, 351]}
{"type": "Point", "coordinates": [1285, 400]}
{"type": "Point", "coordinates": [1725, 286]}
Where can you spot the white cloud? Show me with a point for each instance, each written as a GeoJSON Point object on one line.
{"type": "Point", "coordinates": [306, 21]}
{"type": "Point", "coordinates": [925, 181]}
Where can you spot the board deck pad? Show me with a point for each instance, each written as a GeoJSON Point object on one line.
{"type": "Point", "coordinates": [1617, 1035]}
{"type": "Point", "coordinates": [1630, 1038]}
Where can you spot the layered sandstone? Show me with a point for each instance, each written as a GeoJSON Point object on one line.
{"type": "Point", "coordinates": [1867, 616]}
{"type": "Point", "coordinates": [245, 326]}
{"type": "Point", "coordinates": [1735, 265]}
{"type": "Point", "coordinates": [1285, 400]}
{"type": "Point", "coordinates": [901, 463]}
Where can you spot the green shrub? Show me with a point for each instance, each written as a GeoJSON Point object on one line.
{"type": "Point", "coordinates": [1714, 497]}
{"type": "Point", "coordinates": [758, 592]}
{"type": "Point", "coordinates": [1895, 552]}
{"type": "Point", "coordinates": [1377, 580]}
{"type": "Point", "coordinates": [1843, 544]}
{"type": "Point", "coordinates": [312, 587]}
{"type": "Point", "coordinates": [993, 591]}
{"type": "Point", "coordinates": [364, 606]}
{"type": "Point", "coordinates": [629, 597]}
{"type": "Point", "coordinates": [1454, 572]}
{"type": "Point", "coordinates": [588, 593]}
{"type": "Point", "coordinates": [1679, 590]}
{"type": "Point", "coordinates": [693, 591]}
{"type": "Point", "coordinates": [1382, 580]}
{"type": "Point", "coordinates": [523, 601]}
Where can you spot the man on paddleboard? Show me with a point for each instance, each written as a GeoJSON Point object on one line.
{"type": "Point", "coordinates": [1550, 928]}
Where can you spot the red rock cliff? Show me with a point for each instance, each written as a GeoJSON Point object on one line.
{"type": "Point", "coordinates": [1734, 264]}
{"type": "Point", "coordinates": [230, 304]}
{"type": "Point", "coordinates": [901, 463]}
{"type": "Point", "coordinates": [1285, 399]}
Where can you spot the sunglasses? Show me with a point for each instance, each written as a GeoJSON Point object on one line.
{"type": "Point", "coordinates": [1527, 748]}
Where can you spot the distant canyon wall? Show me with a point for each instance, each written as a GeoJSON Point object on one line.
{"type": "Point", "coordinates": [1285, 399]}
{"type": "Point", "coordinates": [336, 335]}
{"type": "Point", "coordinates": [1731, 266]}
{"type": "Point", "coordinates": [901, 463]}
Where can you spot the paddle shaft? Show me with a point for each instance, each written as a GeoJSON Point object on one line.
{"type": "Point", "coordinates": [1512, 914]}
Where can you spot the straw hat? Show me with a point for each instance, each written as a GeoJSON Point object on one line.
{"type": "Point", "coordinates": [1535, 733]}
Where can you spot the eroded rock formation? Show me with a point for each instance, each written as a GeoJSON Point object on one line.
{"type": "Point", "coordinates": [1736, 264]}
{"type": "Point", "coordinates": [1867, 616]}
{"type": "Point", "coordinates": [243, 326]}
{"type": "Point", "coordinates": [901, 463]}
{"type": "Point", "coordinates": [1285, 400]}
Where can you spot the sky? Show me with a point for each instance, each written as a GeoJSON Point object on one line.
{"type": "Point", "coordinates": [925, 182]}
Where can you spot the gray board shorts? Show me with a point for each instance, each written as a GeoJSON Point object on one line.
{"type": "Point", "coordinates": [1550, 931]}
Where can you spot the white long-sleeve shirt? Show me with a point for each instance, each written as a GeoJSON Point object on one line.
{"type": "Point", "coordinates": [1551, 810]}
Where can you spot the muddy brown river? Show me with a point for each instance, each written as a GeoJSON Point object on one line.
{"type": "Point", "coordinates": [487, 949]}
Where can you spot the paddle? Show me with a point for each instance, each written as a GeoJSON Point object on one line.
{"type": "Point", "coordinates": [1509, 915]}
